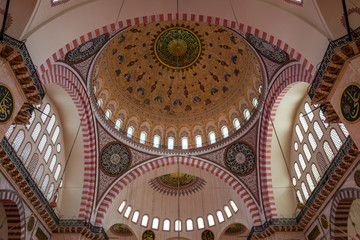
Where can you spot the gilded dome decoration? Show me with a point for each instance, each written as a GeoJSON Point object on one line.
{"type": "Point", "coordinates": [175, 183]}
{"type": "Point", "coordinates": [121, 229]}
{"type": "Point", "coordinates": [177, 47]}
{"type": "Point", "coordinates": [177, 76]}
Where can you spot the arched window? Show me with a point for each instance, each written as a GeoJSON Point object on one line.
{"type": "Point", "coordinates": [327, 149]}
{"type": "Point", "coordinates": [307, 151]}
{"type": "Point", "coordinates": [302, 162]}
{"type": "Point", "coordinates": [52, 163]}
{"type": "Point", "coordinates": [296, 146]}
{"type": "Point", "coordinates": [42, 143]}
{"type": "Point", "coordinates": [45, 183]}
{"type": "Point", "coordinates": [299, 133]}
{"type": "Point", "coordinates": [304, 190]}
{"type": "Point", "coordinates": [315, 172]}
{"type": "Point", "coordinates": [299, 196]}
{"type": "Point", "coordinates": [177, 225]}
{"type": "Point", "coordinates": [171, 143]}
{"type": "Point", "coordinates": [294, 181]}
{"type": "Point", "coordinates": [47, 153]}
{"type": "Point", "coordinates": [9, 131]}
{"type": "Point", "coordinates": [155, 223]}
{"type": "Point", "coordinates": [122, 206]}
{"type": "Point", "coordinates": [224, 131]}
{"type": "Point", "coordinates": [130, 132]}
{"type": "Point", "coordinates": [50, 192]}
{"type": "Point", "coordinates": [233, 205]}
{"type": "Point", "coordinates": [297, 170]}
{"type": "Point", "coordinates": [189, 225]}
{"type": "Point", "coordinates": [100, 102]}
{"type": "Point", "coordinates": [198, 141]}
{"type": "Point", "coordinates": [312, 141]}
{"type": "Point", "coordinates": [303, 122]}
{"type": "Point", "coordinates": [184, 143]}
{"type": "Point", "coordinates": [211, 220]}
{"type": "Point", "coordinates": [156, 141]}
{"type": "Point", "coordinates": [45, 113]}
{"type": "Point", "coordinates": [31, 120]}
{"type": "Point", "coordinates": [135, 217]}
{"type": "Point", "coordinates": [308, 111]}
{"type": "Point", "coordinates": [343, 129]}
{"type": "Point", "coordinates": [127, 212]}
{"type": "Point", "coordinates": [143, 137]}
{"type": "Point", "coordinates": [55, 134]}
{"type": "Point", "coordinates": [255, 102]}
{"type": "Point", "coordinates": [212, 137]}
{"type": "Point", "coordinates": [322, 117]}
{"type": "Point", "coordinates": [26, 152]}
{"type": "Point", "coordinates": [220, 216]}
{"type": "Point", "coordinates": [200, 223]}
{"type": "Point", "coordinates": [118, 124]}
{"type": "Point", "coordinates": [227, 211]}
{"type": "Point", "coordinates": [108, 114]}
{"type": "Point", "coordinates": [310, 182]}
{"type": "Point", "coordinates": [166, 225]}
{"type": "Point", "coordinates": [39, 174]}
{"type": "Point", "coordinates": [18, 140]}
{"type": "Point", "coordinates": [57, 172]}
{"type": "Point", "coordinates": [247, 114]}
{"type": "Point", "coordinates": [318, 131]}
{"type": "Point", "coordinates": [51, 124]}
{"type": "Point", "coordinates": [145, 220]}
{"type": "Point", "coordinates": [335, 139]}
{"type": "Point", "coordinates": [236, 123]}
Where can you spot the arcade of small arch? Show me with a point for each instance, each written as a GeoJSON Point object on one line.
{"type": "Point", "coordinates": [51, 72]}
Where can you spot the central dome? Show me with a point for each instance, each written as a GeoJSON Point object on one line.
{"type": "Point", "coordinates": [177, 75]}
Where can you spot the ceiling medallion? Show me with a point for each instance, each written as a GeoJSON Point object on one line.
{"type": "Point", "coordinates": [240, 158]}
{"type": "Point", "coordinates": [235, 228]}
{"type": "Point", "coordinates": [168, 184]}
{"type": "Point", "coordinates": [121, 229]}
{"type": "Point", "coordinates": [177, 47]}
{"type": "Point", "coordinates": [115, 159]}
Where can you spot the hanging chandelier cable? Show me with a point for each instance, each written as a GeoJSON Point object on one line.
{"type": "Point", "coordinates": [178, 126]}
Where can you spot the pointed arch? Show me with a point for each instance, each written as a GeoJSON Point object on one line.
{"type": "Point", "coordinates": [223, 174]}
{"type": "Point", "coordinates": [72, 84]}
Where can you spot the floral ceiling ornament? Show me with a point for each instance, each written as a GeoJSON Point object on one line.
{"type": "Point", "coordinates": [115, 159]}
{"type": "Point", "coordinates": [168, 184]}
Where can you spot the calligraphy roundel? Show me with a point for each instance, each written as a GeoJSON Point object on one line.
{"type": "Point", "coordinates": [115, 159]}
{"type": "Point", "coordinates": [349, 103]}
{"type": "Point", "coordinates": [207, 235]}
{"type": "Point", "coordinates": [177, 47]}
{"type": "Point", "coordinates": [240, 158]}
{"type": "Point", "coordinates": [7, 104]}
{"type": "Point", "coordinates": [148, 235]}
{"type": "Point", "coordinates": [357, 178]}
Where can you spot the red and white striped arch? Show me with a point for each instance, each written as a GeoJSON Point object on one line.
{"type": "Point", "coordinates": [64, 77]}
{"type": "Point", "coordinates": [91, 165]}
{"type": "Point", "coordinates": [172, 16]}
{"type": "Point", "coordinates": [150, 165]}
{"type": "Point", "coordinates": [282, 83]}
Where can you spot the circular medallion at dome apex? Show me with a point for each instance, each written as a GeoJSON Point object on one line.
{"type": "Point", "coordinates": [115, 159]}
{"type": "Point", "coordinates": [240, 158]}
{"type": "Point", "coordinates": [177, 47]}
{"type": "Point", "coordinates": [174, 183]}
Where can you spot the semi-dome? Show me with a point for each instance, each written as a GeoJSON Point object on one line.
{"type": "Point", "coordinates": [177, 79]}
